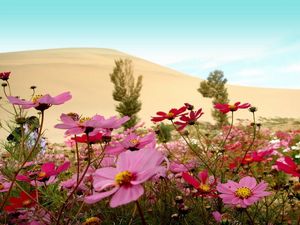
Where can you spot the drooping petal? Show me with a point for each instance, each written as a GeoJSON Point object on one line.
{"type": "Point", "coordinates": [126, 195]}
{"type": "Point", "coordinates": [191, 180]}
{"type": "Point", "coordinates": [62, 98]}
{"type": "Point", "coordinates": [96, 197]}
{"type": "Point", "coordinates": [25, 104]}
{"type": "Point", "coordinates": [63, 167]}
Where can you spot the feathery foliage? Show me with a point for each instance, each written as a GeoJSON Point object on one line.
{"type": "Point", "coordinates": [126, 90]}
{"type": "Point", "coordinates": [214, 87]}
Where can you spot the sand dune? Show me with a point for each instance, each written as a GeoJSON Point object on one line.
{"type": "Point", "coordinates": [85, 72]}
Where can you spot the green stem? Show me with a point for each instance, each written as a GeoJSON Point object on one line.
{"type": "Point", "coordinates": [193, 150]}
{"type": "Point", "coordinates": [231, 125]}
{"type": "Point", "coordinates": [250, 146]}
{"type": "Point", "coordinates": [141, 213]}
{"type": "Point", "coordinates": [250, 218]}
{"type": "Point", "coordinates": [80, 180]}
{"type": "Point", "coordinates": [78, 160]}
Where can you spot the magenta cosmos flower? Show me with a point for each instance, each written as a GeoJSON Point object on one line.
{"type": "Point", "coordinates": [205, 186]}
{"type": "Point", "coordinates": [189, 119]}
{"type": "Point", "coordinates": [125, 181]}
{"type": "Point", "coordinates": [244, 193]}
{"type": "Point", "coordinates": [225, 108]}
{"type": "Point", "coordinates": [289, 166]}
{"type": "Point", "coordinates": [4, 75]}
{"type": "Point", "coordinates": [41, 102]}
{"type": "Point", "coordinates": [47, 172]}
{"type": "Point", "coordinates": [172, 114]}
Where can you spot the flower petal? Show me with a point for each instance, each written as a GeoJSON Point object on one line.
{"type": "Point", "coordinates": [126, 195]}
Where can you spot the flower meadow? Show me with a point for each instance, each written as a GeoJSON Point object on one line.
{"type": "Point", "coordinates": [190, 173]}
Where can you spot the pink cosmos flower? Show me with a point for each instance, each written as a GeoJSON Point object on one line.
{"type": "Point", "coordinates": [72, 182]}
{"type": "Point", "coordinates": [289, 166]}
{"type": "Point", "coordinates": [225, 108]}
{"type": "Point", "coordinates": [94, 124]}
{"type": "Point", "coordinates": [172, 114]}
{"type": "Point", "coordinates": [4, 75]}
{"type": "Point", "coordinates": [244, 193]}
{"type": "Point", "coordinates": [125, 181]}
{"type": "Point", "coordinates": [132, 142]}
{"type": "Point", "coordinates": [41, 102]}
{"type": "Point", "coordinates": [112, 122]}
{"type": "Point", "coordinates": [177, 167]}
{"type": "Point", "coordinates": [204, 186]}
{"type": "Point", "coordinates": [189, 119]}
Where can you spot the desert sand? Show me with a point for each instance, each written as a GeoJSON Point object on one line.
{"type": "Point", "coordinates": [85, 72]}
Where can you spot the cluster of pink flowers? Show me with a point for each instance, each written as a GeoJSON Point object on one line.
{"type": "Point", "coordinates": [117, 166]}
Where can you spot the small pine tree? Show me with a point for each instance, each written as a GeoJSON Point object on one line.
{"type": "Point", "coordinates": [126, 91]}
{"type": "Point", "coordinates": [214, 87]}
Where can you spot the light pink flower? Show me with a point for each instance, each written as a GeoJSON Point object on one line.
{"type": "Point", "coordinates": [72, 182]}
{"type": "Point", "coordinates": [125, 181]}
{"type": "Point", "coordinates": [112, 122]}
{"type": "Point", "coordinates": [244, 193]}
{"type": "Point", "coordinates": [41, 102]}
{"type": "Point", "coordinates": [89, 125]}
{"type": "Point", "coordinates": [177, 167]}
{"type": "Point", "coordinates": [132, 142]}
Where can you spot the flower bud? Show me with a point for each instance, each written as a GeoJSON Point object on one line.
{"type": "Point", "coordinates": [253, 109]}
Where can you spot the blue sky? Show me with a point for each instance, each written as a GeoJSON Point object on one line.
{"type": "Point", "coordinates": [255, 42]}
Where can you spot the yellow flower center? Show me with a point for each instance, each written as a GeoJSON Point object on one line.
{"type": "Point", "coordinates": [36, 98]}
{"type": "Point", "coordinates": [243, 192]}
{"type": "Point", "coordinates": [123, 177]}
{"type": "Point", "coordinates": [134, 141]}
{"type": "Point", "coordinates": [41, 174]}
{"type": "Point", "coordinates": [170, 115]}
{"type": "Point", "coordinates": [84, 119]}
{"type": "Point", "coordinates": [204, 187]}
{"type": "Point", "coordinates": [26, 202]}
{"type": "Point", "coordinates": [1, 186]}
{"type": "Point", "coordinates": [92, 221]}
{"type": "Point", "coordinates": [232, 107]}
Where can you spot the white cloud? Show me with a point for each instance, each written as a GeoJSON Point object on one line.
{"type": "Point", "coordinates": [292, 68]}
{"type": "Point", "coordinates": [252, 72]}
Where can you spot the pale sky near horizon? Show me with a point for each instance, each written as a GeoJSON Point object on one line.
{"type": "Point", "coordinates": [255, 43]}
